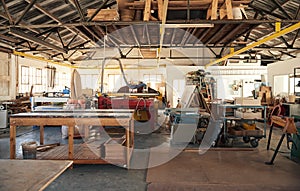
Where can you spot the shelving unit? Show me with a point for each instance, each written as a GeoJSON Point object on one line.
{"type": "Point", "coordinates": [232, 127]}
{"type": "Point", "coordinates": [296, 77]}
{"type": "Point", "coordinates": [35, 100]}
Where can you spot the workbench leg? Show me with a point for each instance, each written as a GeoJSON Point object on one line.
{"type": "Point", "coordinates": [41, 134]}
{"type": "Point", "coordinates": [127, 131]}
{"type": "Point", "coordinates": [131, 125]}
{"type": "Point", "coordinates": [276, 151]}
{"type": "Point", "coordinates": [270, 136]}
{"type": "Point", "coordinates": [71, 141]}
{"type": "Point", "coordinates": [13, 130]}
{"type": "Point", "coordinates": [86, 132]}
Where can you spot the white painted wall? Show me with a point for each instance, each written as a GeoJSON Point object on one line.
{"type": "Point", "coordinates": [7, 76]}
{"type": "Point", "coordinates": [282, 68]}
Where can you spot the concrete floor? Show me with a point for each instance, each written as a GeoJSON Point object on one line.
{"type": "Point", "coordinates": [110, 177]}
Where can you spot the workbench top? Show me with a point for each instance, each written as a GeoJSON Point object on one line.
{"type": "Point", "coordinates": [82, 114]}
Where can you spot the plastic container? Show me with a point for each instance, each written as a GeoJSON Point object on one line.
{"type": "Point", "coordinates": [29, 150]}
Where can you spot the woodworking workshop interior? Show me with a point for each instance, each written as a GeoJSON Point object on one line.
{"type": "Point", "coordinates": [150, 95]}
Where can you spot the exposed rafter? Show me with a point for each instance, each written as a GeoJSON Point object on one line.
{"type": "Point", "coordinates": [28, 7]}
{"type": "Point", "coordinates": [28, 37]}
{"type": "Point", "coordinates": [11, 21]}
{"type": "Point", "coordinates": [279, 6]}
{"type": "Point", "coordinates": [46, 12]}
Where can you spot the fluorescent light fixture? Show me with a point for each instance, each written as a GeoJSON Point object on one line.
{"type": "Point", "coordinates": [196, 25]}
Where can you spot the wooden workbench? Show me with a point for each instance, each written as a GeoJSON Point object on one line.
{"type": "Point", "coordinates": [69, 119]}
{"type": "Point", "coordinates": [29, 174]}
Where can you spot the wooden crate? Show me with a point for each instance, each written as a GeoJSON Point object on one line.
{"type": "Point", "coordinates": [240, 131]}
{"type": "Point", "coordinates": [104, 15]}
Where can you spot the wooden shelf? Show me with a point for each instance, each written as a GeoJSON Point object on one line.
{"type": "Point", "coordinates": [83, 154]}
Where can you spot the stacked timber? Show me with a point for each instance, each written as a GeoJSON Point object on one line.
{"type": "Point", "coordinates": [216, 9]}
{"type": "Point", "coordinates": [104, 15]}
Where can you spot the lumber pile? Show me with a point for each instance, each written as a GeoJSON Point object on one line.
{"type": "Point", "coordinates": [104, 15]}
{"type": "Point", "coordinates": [216, 9]}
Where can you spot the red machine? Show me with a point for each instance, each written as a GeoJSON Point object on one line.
{"type": "Point", "coordinates": [145, 113]}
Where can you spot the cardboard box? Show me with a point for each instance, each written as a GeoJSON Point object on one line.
{"type": "Point", "coordinates": [247, 115]}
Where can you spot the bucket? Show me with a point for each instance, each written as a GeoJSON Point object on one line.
{"type": "Point", "coordinates": [29, 150]}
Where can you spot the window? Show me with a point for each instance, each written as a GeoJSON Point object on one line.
{"type": "Point", "coordinates": [178, 89]}
{"type": "Point", "coordinates": [25, 75]}
{"type": "Point", "coordinates": [38, 76]}
{"type": "Point", "coordinates": [89, 81]}
{"type": "Point", "coordinates": [115, 82]}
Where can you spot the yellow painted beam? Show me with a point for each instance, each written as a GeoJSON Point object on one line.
{"type": "Point", "coordinates": [252, 45]}
{"type": "Point", "coordinates": [277, 26]}
{"type": "Point", "coordinates": [22, 54]}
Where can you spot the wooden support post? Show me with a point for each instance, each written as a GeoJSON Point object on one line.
{"type": "Point", "coordinates": [147, 10]}
{"type": "Point", "coordinates": [131, 125]}
{"type": "Point", "coordinates": [229, 9]}
{"type": "Point", "coordinates": [222, 12]}
{"type": "Point", "coordinates": [13, 132]}
{"type": "Point", "coordinates": [71, 141]}
{"type": "Point", "coordinates": [41, 134]}
{"type": "Point", "coordinates": [214, 10]}
{"type": "Point", "coordinates": [208, 14]}
{"type": "Point", "coordinates": [160, 9]}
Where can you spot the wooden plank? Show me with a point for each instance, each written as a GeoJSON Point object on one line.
{"type": "Point", "coordinates": [160, 9]}
{"type": "Point", "coordinates": [222, 12]}
{"type": "Point", "coordinates": [147, 10]}
{"type": "Point", "coordinates": [30, 174]}
{"type": "Point", "coordinates": [229, 13]}
{"type": "Point", "coordinates": [208, 14]}
{"type": "Point", "coordinates": [39, 121]}
{"type": "Point", "coordinates": [214, 10]}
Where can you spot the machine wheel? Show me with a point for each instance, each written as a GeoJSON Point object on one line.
{"type": "Point", "coordinates": [246, 139]}
{"type": "Point", "coordinates": [254, 142]}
